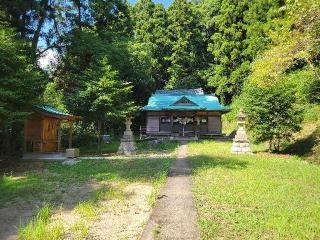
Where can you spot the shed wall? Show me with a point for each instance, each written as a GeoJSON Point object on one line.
{"type": "Point", "coordinates": [153, 123]}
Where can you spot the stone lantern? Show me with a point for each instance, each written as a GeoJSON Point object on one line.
{"type": "Point", "coordinates": [240, 142]}
{"type": "Point", "coordinates": [127, 145]}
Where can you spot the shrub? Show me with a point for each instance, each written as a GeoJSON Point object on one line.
{"type": "Point", "coordinates": [272, 113]}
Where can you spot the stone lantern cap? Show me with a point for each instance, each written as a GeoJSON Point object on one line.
{"type": "Point", "coordinates": [241, 115]}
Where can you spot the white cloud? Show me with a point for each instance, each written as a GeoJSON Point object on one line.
{"type": "Point", "coordinates": [46, 60]}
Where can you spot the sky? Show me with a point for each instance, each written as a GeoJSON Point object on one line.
{"type": "Point", "coordinates": [166, 3]}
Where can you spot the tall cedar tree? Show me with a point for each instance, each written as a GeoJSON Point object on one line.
{"type": "Point", "coordinates": [161, 47]}
{"type": "Point", "coordinates": [185, 42]}
{"type": "Point", "coordinates": [150, 31]}
{"type": "Point", "coordinates": [229, 66]}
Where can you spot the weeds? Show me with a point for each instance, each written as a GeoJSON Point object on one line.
{"type": "Point", "coordinates": [80, 229]}
{"type": "Point", "coordinates": [40, 227]}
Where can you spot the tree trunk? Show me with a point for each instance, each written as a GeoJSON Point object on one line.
{"type": "Point", "coordinates": [270, 145]}
{"type": "Point", "coordinates": [99, 135]}
{"type": "Point", "coordinates": [42, 17]}
{"type": "Point", "coordinates": [78, 6]}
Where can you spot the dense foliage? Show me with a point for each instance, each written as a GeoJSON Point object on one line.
{"type": "Point", "coordinates": [272, 113]}
{"type": "Point", "coordinates": [20, 82]}
{"type": "Point", "coordinates": [219, 45]}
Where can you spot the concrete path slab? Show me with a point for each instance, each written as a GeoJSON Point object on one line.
{"type": "Point", "coordinates": [174, 215]}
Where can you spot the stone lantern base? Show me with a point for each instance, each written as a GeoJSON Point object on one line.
{"type": "Point", "coordinates": [127, 144]}
{"type": "Point", "coordinates": [240, 142]}
{"type": "Point", "coordinates": [241, 148]}
{"type": "Point", "coordinates": [127, 147]}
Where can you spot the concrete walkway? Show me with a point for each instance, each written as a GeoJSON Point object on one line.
{"type": "Point", "coordinates": [174, 216]}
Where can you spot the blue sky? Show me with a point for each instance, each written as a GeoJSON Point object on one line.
{"type": "Point", "coordinates": [166, 3]}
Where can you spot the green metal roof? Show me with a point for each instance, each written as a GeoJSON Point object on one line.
{"type": "Point", "coordinates": [167, 100]}
{"type": "Point", "coordinates": [52, 111]}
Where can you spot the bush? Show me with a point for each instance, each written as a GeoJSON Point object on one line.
{"type": "Point", "coordinates": [272, 113]}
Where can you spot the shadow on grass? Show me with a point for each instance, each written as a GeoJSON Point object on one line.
{"type": "Point", "coordinates": [303, 147]}
{"type": "Point", "coordinates": [106, 148]}
{"type": "Point", "coordinates": [160, 146]}
{"type": "Point", "coordinates": [54, 176]}
{"type": "Point", "coordinates": [228, 162]}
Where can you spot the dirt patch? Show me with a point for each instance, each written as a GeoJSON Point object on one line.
{"type": "Point", "coordinates": [77, 194]}
{"type": "Point", "coordinates": [15, 167]}
{"type": "Point", "coordinates": [11, 218]}
{"type": "Point", "coordinates": [122, 219]}
{"type": "Point", "coordinates": [126, 221]}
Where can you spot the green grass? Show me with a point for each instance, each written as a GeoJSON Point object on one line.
{"type": "Point", "coordinates": [108, 193]}
{"type": "Point", "coordinates": [106, 148]}
{"type": "Point", "coordinates": [260, 196]}
{"type": "Point", "coordinates": [91, 209]}
{"type": "Point", "coordinates": [156, 189]}
{"type": "Point", "coordinates": [88, 210]}
{"type": "Point", "coordinates": [112, 147]}
{"type": "Point", "coordinates": [156, 232]}
{"type": "Point", "coordinates": [48, 186]}
{"type": "Point", "coordinates": [41, 228]}
{"type": "Point", "coordinates": [80, 229]}
{"type": "Point", "coordinates": [53, 181]}
{"type": "Point", "coordinates": [165, 146]}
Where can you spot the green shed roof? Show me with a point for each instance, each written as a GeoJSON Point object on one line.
{"type": "Point", "coordinates": [192, 99]}
{"type": "Point", "coordinates": [44, 108]}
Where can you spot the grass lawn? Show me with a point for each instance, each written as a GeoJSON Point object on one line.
{"type": "Point", "coordinates": [54, 179]}
{"type": "Point", "coordinates": [260, 196]}
{"type": "Point", "coordinates": [165, 146]}
{"type": "Point", "coordinates": [49, 184]}
{"type": "Point", "coordinates": [142, 146]}
{"type": "Point", "coordinates": [106, 148]}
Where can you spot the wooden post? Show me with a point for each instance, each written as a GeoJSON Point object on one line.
{"type": "Point", "coordinates": [25, 137]}
{"type": "Point", "coordinates": [207, 123]}
{"type": "Point", "coordinates": [99, 123]}
{"type": "Point", "coordinates": [70, 133]}
{"type": "Point", "coordinates": [42, 135]}
{"type": "Point", "coordinates": [59, 136]}
{"type": "Point", "coordinates": [171, 123]}
{"type": "Point", "coordinates": [195, 124]}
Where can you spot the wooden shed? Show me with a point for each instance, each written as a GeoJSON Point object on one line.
{"type": "Point", "coordinates": [183, 112]}
{"type": "Point", "coordinates": [42, 129]}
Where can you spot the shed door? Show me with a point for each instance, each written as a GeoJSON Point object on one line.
{"type": "Point", "coordinates": [153, 124]}
{"type": "Point", "coordinates": [214, 124]}
{"type": "Point", "coordinates": [50, 135]}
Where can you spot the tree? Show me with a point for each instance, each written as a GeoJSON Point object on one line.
{"type": "Point", "coordinates": [84, 52]}
{"type": "Point", "coordinates": [185, 43]}
{"type": "Point", "coordinates": [272, 113]}
{"type": "Point", "coordinates": [227, 43]}
{"type": "Point", "coordinates": [294, 44]}
{"type": "Point", "coordinates": [235, 31]}
{"type": "Point", "coordinates": [107, 97]}
{"type": "Point", "coordinates": [150, 35]}
{"type": "Point", "coordinates": [160, 46]}
{"type": "Point", "coordinates": [20, 86]}
{"type": "Point", "coordinates": [111, 17]}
